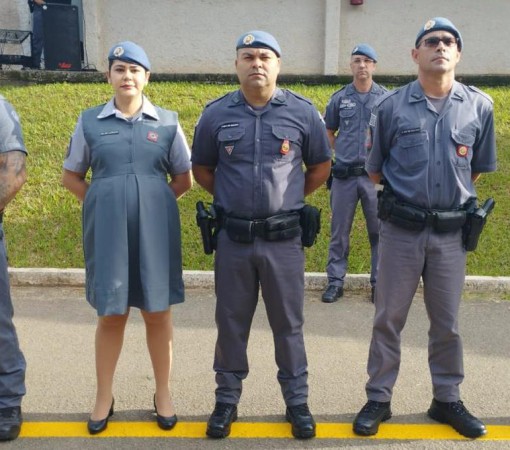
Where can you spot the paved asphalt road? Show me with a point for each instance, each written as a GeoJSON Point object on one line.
{"type": "Point", "coordinates": [56, 330]}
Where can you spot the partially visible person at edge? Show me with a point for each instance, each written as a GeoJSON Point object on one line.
{"type": "Point", "coordinates": [12, 362]}
{"type": "Point", "coordinates": [248, 151]}
{"type": "Point", "coordinates": [347, 117]}
{"type": "Point", "coordinates": [37, 39]}
{"type": "Point", "coordinates": [131, 226]}
{"type": "Point", "coordinates": [432, 140]}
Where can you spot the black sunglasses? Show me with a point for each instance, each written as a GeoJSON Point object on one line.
{"type": "Point", "coordinates": [433, 42]}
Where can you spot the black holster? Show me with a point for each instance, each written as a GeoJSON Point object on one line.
{"type": "Point", "coordinates": [475, 222]}
{"type": "Point", "coordinates": [310, 220]}
{"type": "Point", "coordinates": [207, 221]}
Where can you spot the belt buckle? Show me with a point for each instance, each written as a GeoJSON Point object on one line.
{"type": "Point", "coordinates": [258, 227]}
{"type": "Point", "coordinates": [431, 217]}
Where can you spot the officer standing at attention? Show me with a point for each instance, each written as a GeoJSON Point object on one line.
{"type": "Point", "coordinates": [140, 164]}
{"type": "Point", "coordinates": [347, 116]}
{"type": "Point", "coordinates": [12, 362]}
{"type": "Point", "coordinates": [248, 151]}
{"type": "Point", "coordinates": [432, 140]}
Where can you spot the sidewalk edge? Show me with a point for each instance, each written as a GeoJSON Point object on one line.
{"type": "Point", "coordinates": [196, 279]}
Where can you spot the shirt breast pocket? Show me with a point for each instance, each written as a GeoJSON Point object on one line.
{"type": "Point", "coordinates": [230, 144]}
{"type": "Point", "coordinates": [347, 119]}
{"type": "Point", "coordinates": [463, 149]}
{"type": "Point", "coordinates": [288, 143]}
{"type": "Point", "coordinates": [412, 149]}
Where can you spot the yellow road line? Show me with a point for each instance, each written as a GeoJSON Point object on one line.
{"type": "Point", "coordinates": [252, 430]}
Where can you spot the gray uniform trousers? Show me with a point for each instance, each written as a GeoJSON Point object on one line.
{"type": "Point", "coordinates": [345, 195]}
{"type": "Point", "coordinates": [278, 268]}
{"type": "Point", "coordinates": [12, 362]}
{"type": "Point", "coordinates": [440, 260]}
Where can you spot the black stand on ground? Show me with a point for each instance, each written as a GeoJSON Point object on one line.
{"type": "Point", "coordinates": [14, 38]}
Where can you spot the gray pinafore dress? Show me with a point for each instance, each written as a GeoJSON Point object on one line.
{"type": "Point", "coordinates": [131, 226]}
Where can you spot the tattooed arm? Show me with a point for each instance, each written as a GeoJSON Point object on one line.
{"type": "Point", "coordinates": [12, 175]}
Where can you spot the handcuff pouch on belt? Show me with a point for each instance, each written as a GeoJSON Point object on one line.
{"type": "Point", "coordinates": [279, 227]}
{"type": "Point", "coordinates": [414, 218]}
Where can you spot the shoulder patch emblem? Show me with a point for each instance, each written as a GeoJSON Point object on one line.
{"type": "Point", "coordinates": [373, 120]}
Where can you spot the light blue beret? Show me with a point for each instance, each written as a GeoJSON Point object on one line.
{"type": "Point", "coordinates": [128, 51]}
{"type": "Point", "coordinates": [258, 39]}
{"type": "Point", "coordinates": [439, 23]}
{"type": "Point", "coordinates": [366, 50]}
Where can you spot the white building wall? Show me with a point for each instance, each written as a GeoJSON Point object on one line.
{"type": "Point", "coordinates": [316, 36]}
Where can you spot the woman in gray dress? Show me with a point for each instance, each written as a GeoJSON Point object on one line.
{"type": "Point", "coordinates": [131, 227]}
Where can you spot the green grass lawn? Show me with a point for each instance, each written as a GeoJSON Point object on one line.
{"type": "Point", "coordinates": [43, 224]}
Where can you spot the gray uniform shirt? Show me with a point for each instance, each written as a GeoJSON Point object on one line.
{"type": "Point", "coordinates": [258, 154]}
{"type": "Point", "coordinates": [348, 112]}
{"type": "Point", "coordinates": [426, 157]}
{"type": "Point", "coordinates": [11, 137]}
{"type": "Point", "coordinates": [78, 154]}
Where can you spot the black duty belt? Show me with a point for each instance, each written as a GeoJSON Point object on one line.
{"type": "Point", "coordinates": [279, 227]}
{"type": "Point", "coordinates": [342, 172]}
{"type": "Point", "coordinates": [412, 217]}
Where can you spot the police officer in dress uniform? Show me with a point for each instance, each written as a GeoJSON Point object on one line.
{"type": "Point", "coordinates": [140, 165]}
{"type": "Point", "coordinates": [12, 362]}
{"type": "Point", "coordinates": [432, 139]}
{"type": "Point", "coordinates": [248, 151]}
{"type": "Point", "coordinates": [347, 116]}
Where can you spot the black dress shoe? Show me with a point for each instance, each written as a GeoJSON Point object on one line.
{"type": "Point", "coordinates": [164, 422]}
{"type": "Point", "coordinates": [301, 419]}
{"type": "Point", "coordinates": [456, 415]}
{"type": "Point", "coordinates": [371, 415]}
{"type": "Point", "coordinates": [10, 423]}
{"type": "Point", "coordinates": [218, 425]}
{"type": "Point", "coordinates": [97, 426]}
{"type": "Point", "coordinates": [332, 293]}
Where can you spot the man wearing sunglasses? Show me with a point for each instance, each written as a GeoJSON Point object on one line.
{"type": "Point", "coordinates": [431, 140]}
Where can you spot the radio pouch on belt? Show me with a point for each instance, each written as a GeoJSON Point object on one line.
{"type": "Point", "coordinates": [339, 171]}
{"type": "Point", "coordinates": [310, 221]}
{"type": "Point", "coordinates": [240, 230]}
{"type": "Point", "coordinates": [282, 227]}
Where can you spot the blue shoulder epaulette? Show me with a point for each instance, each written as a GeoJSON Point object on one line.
{"type": "Point", "coordinates": [212, 102]}
{"type": "Point", "coordinates": [299, 96]}
{"type": "Point", "coordinates": [475, 89]}
{"type": "Point", "coordinates": [339, 90]}
{"type": "Point", "coordinates": [385, 96]}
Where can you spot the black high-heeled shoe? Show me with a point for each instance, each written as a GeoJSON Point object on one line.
{"type": "Point", "coordinates": [165, 423]}
{"type": "Point", "coordinates": [97, 426]}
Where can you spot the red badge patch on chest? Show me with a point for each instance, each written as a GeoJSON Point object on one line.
{"type": "Point", "coordinates": [462, 151]}
{"type": "Point", "coordinates": [285, 147]}
{"type": "Point", "coordinates": [152, 136]}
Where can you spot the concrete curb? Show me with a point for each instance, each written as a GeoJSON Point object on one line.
{"type": "Point", "coordinates": [314, 281]}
